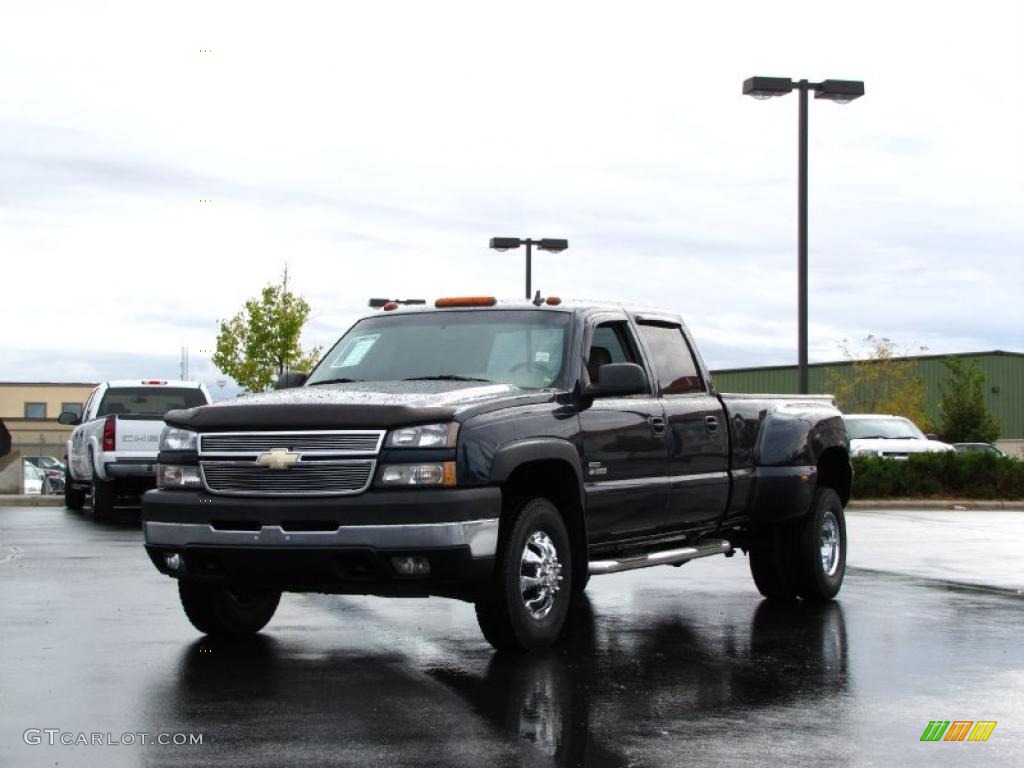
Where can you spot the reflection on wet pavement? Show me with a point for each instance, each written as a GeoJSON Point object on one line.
{"type": "Point", "coordinates": [662, 667]}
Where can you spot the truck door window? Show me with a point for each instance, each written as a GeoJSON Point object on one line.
{"type": "Point", "coordinates": [672, 358]}
{"type": "Point", "coordinates": [611, 343]}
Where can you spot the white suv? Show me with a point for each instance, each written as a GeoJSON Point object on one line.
{"type": "Point", "coordinates": [888, 437]}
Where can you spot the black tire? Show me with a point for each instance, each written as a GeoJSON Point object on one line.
{"type": "Point", "coordinates": [816, 580]}
{"type": "Point", "coordinates": [215, 609]}
{"type": "Point", "coordinates": [771, 564]}
{"type": "Point", "coordinates": [74, 497]}
{"type": "Point", "coordinates": [501, 610]}
{"type": "Point", "coordinates": [102, 498]}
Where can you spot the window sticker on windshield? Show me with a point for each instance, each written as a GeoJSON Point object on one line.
{"type": "Point", "coordinates": [354, 351]}
{"type": "Point", "coordinates": [542, 357]}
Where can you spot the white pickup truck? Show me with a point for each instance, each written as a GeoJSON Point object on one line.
{"type": "Point", "coordinates": [112, 451]}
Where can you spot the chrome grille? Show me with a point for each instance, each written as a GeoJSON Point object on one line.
{"type": "Point", "coordinates": [337, 443]}
{"type": "Point", "coordinates": [307, 478]}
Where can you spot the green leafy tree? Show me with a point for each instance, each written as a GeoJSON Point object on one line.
{"type": "Point", "coordinates": [963, 416]}
{"type": "Point", "coordinates": [262, 340]}
{"type": "Point", "coordinates": [879, 381]}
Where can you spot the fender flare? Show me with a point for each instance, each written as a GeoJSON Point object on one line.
{"type": "Point", "coordinates": [92, 450]}
{"type": "Point", "coordinates": [513, 455]}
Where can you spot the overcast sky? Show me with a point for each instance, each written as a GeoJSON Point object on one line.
{"type": "Point", "coordinates": [375, 147]}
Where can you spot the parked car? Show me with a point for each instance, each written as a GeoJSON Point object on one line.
{"type": "Point", "coordinates": [34, 481]}
{"type": "Point", "coordinates": [978, 448]}
{"type": "Point", "coordinates": [47, 462]}
{"type": "Point", "coordinates": [112, 451]}
{"type": "Point", "coordinates": [499, 453]}
{"type": "Point", "coordinates": [53, 470]}
{"type": "Point", "coordinates": [888, 436]}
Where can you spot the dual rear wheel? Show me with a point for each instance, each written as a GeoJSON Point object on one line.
{"type": "Point", "coordinates": [806, 558]}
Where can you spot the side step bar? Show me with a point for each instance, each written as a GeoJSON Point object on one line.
{"type": "Point", "coordinates": [665, 557]}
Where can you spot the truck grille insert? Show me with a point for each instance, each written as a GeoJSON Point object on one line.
{"type": "Point", "coordinates": [307, 478]}
{"type": "Point", "coordinates": [316, 443]}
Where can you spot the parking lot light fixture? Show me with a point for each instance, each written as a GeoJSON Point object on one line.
{"type": "Point", "coordinates": [767, 87]}
{"type": "Point", "coordinates": [554, 245]}
{"type": "Point", "coordinates": [840, 92]}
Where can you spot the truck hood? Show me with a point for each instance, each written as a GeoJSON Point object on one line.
{"type": "Point", "coordinates": [354, 405]}
{"type": "Point", "coordinates": [894, 446]}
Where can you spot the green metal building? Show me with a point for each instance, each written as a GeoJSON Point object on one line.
{"type": "Point", "coordinates": [1003, 371]}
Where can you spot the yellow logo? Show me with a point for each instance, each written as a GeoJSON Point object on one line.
{"type": "Point", "coordinates": [278, 458]}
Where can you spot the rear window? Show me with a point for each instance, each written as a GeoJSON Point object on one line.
{"type": "Point", "coordinates": [148, 401]}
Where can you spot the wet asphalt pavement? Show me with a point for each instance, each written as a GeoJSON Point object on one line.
{"type": "Point", "coordinates": [664, 667]}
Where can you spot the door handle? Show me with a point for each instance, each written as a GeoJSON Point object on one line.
{"type": "Point", "coordinates": [657, 425]}
{"type": "Point", "coordinates": [710, 423]}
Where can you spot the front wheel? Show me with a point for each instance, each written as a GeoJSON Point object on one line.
{"type": "Point", "coordinates": [214, 609]}
{"type": "Point", "coordinates": [525, 605]}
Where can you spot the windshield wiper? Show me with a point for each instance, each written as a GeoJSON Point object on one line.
{"type": "Point", "coordinates": [447, 377]}
{"type": "Point", "coordinates": [334, 381]}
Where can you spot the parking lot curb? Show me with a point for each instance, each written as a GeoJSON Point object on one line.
{"type": "Point", "coordinates": [18, 500]}
{"type": "Point", "coordinates": [957, 505]}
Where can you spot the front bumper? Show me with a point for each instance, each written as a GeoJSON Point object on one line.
{"type": "Point", "coordinates": [479, 536]}
{"type": "Point", "coordinates": [342, 545]}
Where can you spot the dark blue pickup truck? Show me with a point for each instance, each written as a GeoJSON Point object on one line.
{"type": "Point", "coordinates": [500, 453]}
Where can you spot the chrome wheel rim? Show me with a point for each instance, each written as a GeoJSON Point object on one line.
{"type": "Point", "coordinates": [830, 544]}
{"type": "Point", "coordinates": [540, 575]}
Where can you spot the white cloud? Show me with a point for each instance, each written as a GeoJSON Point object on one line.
{"type": "Point", "coordinates": [376, 147]}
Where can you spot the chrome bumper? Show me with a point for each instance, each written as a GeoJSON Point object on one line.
{"type": "Point", "coordinates": [481, 536]}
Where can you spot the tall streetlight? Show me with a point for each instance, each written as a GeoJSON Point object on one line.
{"type": "Point", "coordinates": [841, 92]}
{"type": "Point", "coordinates": [544, 244]}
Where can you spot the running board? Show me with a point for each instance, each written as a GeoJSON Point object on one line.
{"type": "Point", "coordinates": [665, 557]}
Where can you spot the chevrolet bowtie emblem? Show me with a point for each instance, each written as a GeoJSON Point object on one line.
{"type": "Point", "coordinates": [278, 458]}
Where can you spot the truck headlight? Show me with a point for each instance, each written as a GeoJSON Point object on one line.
{"type": "Point", "coordinates": [426, 436]}
{"type": "Point", "coordinates": [434, 473]}
{"type": "Point", "coordinates": [177, 476]}
{"type": "Point", "coordinates": [866, 452]}
{"type": "Point", "coordinates": [174, 439]}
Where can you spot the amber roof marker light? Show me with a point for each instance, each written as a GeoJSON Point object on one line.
{"type": "Point", "coordinates": [555, 245]}
{"type": "Point", "coordinates": [465, 301]}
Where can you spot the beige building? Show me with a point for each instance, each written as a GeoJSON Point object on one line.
{"type": "Point", "coordinates": [30, 411]}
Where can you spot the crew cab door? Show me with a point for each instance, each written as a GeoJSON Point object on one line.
{"type": "Point", "coordinates": [78, 455]}
{"type": "Point", "coordinates": [697, 441]}
{"type": "Point", "coordinates": [625, 453]}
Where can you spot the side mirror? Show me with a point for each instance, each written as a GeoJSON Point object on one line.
{"type": "Point", "coordinates": [70, 418]}
{"type": "Point", "coordinates": [290, 379]}
{"type": "Point", "coordinates": [618, 379]}
{"type": "Point", "coordinates": [930, 436]}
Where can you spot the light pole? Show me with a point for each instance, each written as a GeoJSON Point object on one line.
{"type": "Point", "coordinates": [841, 92]}
{"type": "Point", "coordinates": [544, 244]}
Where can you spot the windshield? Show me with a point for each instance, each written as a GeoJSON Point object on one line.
{"type": "Point", "coordinates": [526, 348]}
{"type": "Point", "coordinates": [860, 429]}
{"type": "Point", "coordinates": [148, 401]}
